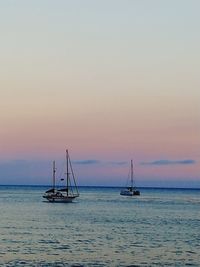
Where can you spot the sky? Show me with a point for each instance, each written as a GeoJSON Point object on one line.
{"type": "Point", "coordinates": [109, 80]}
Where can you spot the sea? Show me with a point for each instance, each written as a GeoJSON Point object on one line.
{"type": "Point", "coordinates": [161, 227]}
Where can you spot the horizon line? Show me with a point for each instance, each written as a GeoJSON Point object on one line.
{"type": "Point", "coordinates": [108, 186]}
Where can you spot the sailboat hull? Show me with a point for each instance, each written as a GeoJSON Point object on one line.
{"type": "Point", "coordinates": [63, 199]}
{"type": "Point", "coordinates": [130, 193]}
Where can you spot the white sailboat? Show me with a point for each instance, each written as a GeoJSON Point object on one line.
{"type": "Point", "coordinates": [69, 192]}
{"type": "Point", "coordinates": [130, 190]}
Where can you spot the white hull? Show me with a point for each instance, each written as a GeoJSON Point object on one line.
{"type": "Point", "coordinates": [130, 193]}
{"type": "Point", "coordinates": [64, 199]}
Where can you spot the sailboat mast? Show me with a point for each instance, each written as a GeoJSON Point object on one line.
{"type": "Point", "coordinates": [131, 173]}
{"type": "Point", "coordinates": [54, 174]}
{"type": "Point", "coordinates": [67, 162]}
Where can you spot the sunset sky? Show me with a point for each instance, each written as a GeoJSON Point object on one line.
{"type": "Point", "coordinates": [109, 80]}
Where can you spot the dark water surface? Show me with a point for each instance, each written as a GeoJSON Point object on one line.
{"type": "Point", "coordinates": [102, 228]}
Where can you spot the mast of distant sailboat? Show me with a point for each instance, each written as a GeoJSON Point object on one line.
{"type": "Point", "coordinates": [67, 157]}
{"type": "Point", "coordinates": [54, 175]}
{"type": "Point", "coordinates": [132, 174]}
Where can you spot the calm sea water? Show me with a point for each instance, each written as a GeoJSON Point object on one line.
{"type": "Point", "coordinates": [102, 228]}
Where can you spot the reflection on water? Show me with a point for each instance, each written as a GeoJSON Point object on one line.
{"type": "Point", "coordinates": [102, 228]}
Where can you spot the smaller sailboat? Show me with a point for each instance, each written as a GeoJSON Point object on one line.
{"type": "Point", "coordinates": [130, 190]}
{"type": "Point", "coordinates": [69, 192]}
